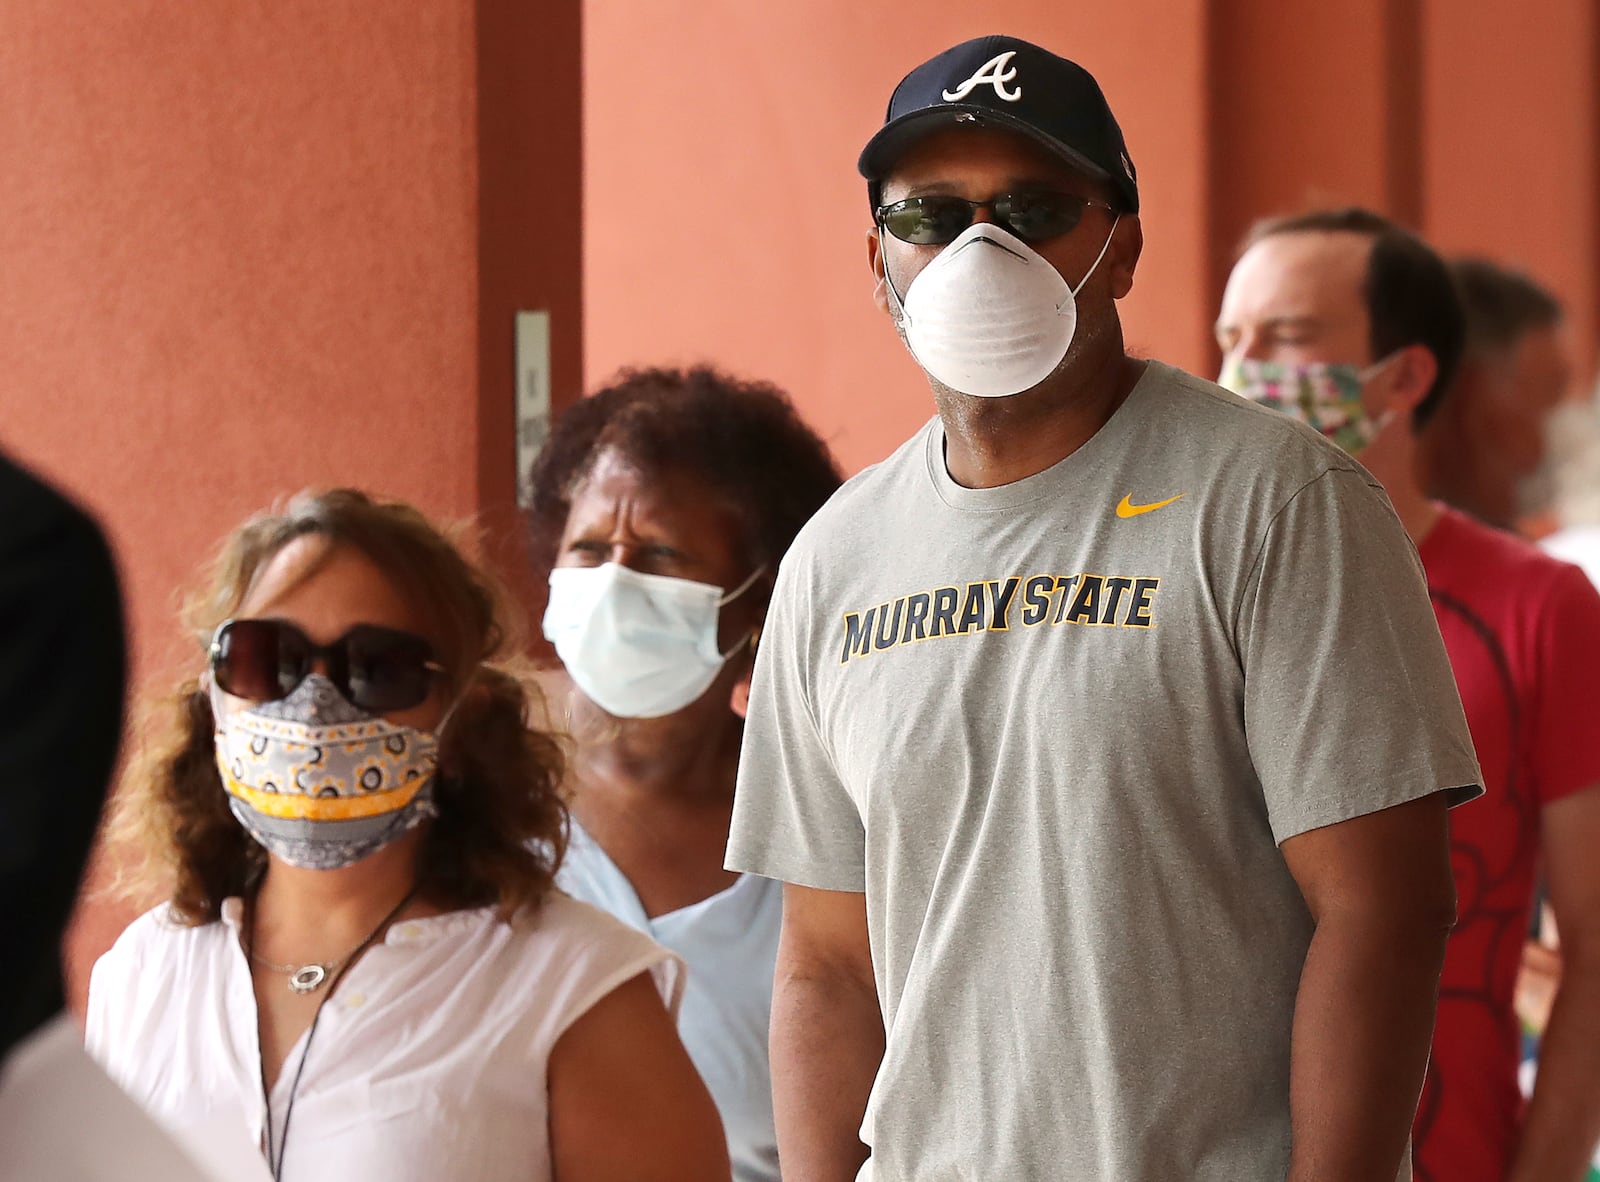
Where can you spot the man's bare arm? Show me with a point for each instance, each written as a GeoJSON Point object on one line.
{"type": "Point", "coordinates": [827, 1034]}
{"type": "Point", "coordinates": [1563, 1121]}
{"type": "Point", "coordinates": [1382, 896]}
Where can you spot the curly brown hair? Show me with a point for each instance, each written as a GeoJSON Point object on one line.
{"type": "Point", "coordinates": [502, 824]}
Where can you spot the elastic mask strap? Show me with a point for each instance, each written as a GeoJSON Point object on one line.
{"type": "Point", "coordinates": [1379, 422]}
{"type": "Point", "coordinates": [734, 594]}
{"type": "Point", "coordinates": [1097, 258]}
{"type": "Point", "coordinates": [744, 586]}
{"type": "Point", "coordinates": [894, 296]}
{"type": "Point", "coordinates": [450, 711]}
{"type": "Point", "coordinates": [1378, 366]}
{"type": "Point", "coordinates": [1383, 420]}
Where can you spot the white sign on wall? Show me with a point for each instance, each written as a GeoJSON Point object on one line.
{"type": "Point", "coordinates": [533, 396]}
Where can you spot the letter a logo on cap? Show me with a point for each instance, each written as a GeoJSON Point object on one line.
{"type": "Point", "coordinates": [995, 73]}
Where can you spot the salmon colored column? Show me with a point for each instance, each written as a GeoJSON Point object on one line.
{"type": "Point", "coordinates": [1512, 159]}
{"type": "Point", "coordinates": [725, 220]}
{"type": "Point", "coordinates": [529, 165]}
{"type": "Point", "coordinates": [1311, 105]}
{"type": "Point", "coordinates": [250, 248]}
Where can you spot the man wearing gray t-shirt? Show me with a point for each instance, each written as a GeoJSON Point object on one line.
{"type": "Point", "coordinates": [1102, 735]}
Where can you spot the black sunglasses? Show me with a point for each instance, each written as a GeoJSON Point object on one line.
{"type": "Point", "coordinates": [376, 669]}
{"type": "Point", "coordinates": [1033, 216]}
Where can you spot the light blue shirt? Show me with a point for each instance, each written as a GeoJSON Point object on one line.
{"type": "Point", "coordinates": [730, 943]}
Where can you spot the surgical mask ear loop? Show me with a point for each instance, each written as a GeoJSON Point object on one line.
{"type": "Point", "coordinates": [1378, 366]}
{"type": "Point", "coordinates": [735, 593]}
{"type": "Point", "coordinates": [748, 583]}
{"type": "Point", "coordinates": [1379, 422]}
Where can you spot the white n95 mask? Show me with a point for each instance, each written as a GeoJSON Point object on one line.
{"type": "Point", "coordinates": [640, 646]}
{"type": "Point", "coordinates": [990, 316]}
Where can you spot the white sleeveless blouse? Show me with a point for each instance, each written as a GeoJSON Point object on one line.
{"type": "Point", "coordinates": [428, 1062]}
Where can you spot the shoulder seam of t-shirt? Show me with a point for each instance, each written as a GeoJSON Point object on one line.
{"type": "Point", "coordinates": [804, 679]}
{"type": "Point", "coordinates": [1261, 546]}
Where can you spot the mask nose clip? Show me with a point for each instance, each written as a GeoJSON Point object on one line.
{"type": "Point", "coordinates": [982, 239]}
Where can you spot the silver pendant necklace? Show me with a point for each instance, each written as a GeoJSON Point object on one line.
{"type": "Point", "coordinates": [303, 978]}
{"type": "Point", "coordinates": [308, 978]}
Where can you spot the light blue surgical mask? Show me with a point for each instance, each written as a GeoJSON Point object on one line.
{"type": "Point", "coordinates": [638, 645]}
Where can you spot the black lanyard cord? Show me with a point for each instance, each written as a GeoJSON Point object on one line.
{"type": "Point", "coordinates": [276, 1166]}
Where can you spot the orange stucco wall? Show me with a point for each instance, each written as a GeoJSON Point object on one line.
{"type": "Point", "coordinates": [247, 248]}
{"type": "Point", "coordinates": [1512, 147]}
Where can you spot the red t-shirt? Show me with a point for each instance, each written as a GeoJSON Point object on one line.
{"type": "Point", "coordinates": [1523, 634]}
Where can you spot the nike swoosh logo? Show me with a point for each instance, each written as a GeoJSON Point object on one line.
{"type": "Point", "coordinates": [1126, 507]}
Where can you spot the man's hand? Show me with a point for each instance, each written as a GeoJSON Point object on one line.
{"type": "Point", "coordinates": [827, 1034]}
{"type": "Point", "coordinates": [1563, 1124]}
{"type": "Point", "coordinates": [1381, 892]}
{"type": "Point", "coordinates": [1537, 982]}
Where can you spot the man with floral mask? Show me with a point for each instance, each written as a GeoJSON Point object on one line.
{"type": "Point", "coordinates": [1353, 325]}
{"type": "Point", "coordinates": [1096, 827]}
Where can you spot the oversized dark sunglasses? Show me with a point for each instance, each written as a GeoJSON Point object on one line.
{"type": "Point", "coordinates": [1033, 216]}
{"type": "Point", "coordinates": [376, 669]}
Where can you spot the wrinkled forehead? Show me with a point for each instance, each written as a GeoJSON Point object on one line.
{"type": "Point", "coordinates": [670, 496]}
{"type": "Point", "coordinates": [1310, 275]}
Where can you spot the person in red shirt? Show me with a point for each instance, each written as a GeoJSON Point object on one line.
{"type": "Point", "coordinates": [1354, 325]}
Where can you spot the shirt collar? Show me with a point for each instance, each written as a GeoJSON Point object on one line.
{"type": "Point", "coordinates": [423, 931]}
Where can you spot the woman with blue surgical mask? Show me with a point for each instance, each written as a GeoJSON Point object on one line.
{"type": "Point", "coordinates": [662, 507]}
{"type": "Point", "coordinates": [361, 968]}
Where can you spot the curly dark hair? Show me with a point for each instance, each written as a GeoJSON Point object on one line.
{"type": "Point", "coordinates": [502, 824]}
{"type": "Point", "coordinates": [744, 440]}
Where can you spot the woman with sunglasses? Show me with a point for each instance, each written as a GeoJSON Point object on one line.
{"type": "Point", "coordinates": [662, 507]}
{"type": "Point", "coordinates": [361, 963]}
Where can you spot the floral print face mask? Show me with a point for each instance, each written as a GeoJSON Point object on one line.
{"type": "Point", "coordinates": [1326, 397]}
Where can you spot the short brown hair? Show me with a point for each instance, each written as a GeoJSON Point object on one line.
{"type": "Point", "coordinates": [502, 823]}
{"type": "Point", "coordinates": [1502, 305]}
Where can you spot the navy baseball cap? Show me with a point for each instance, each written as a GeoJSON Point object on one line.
{"type": "Point", "coordinates": [1011, 83]}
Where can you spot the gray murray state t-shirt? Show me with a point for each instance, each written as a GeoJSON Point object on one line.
{"type": "Point", "coordinates": [1056, 730]}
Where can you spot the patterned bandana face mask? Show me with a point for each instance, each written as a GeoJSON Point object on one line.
{"type": "Point", "coordinates": [319, 783]}
{"type": "Point", "coordinates": [1327, 398]}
